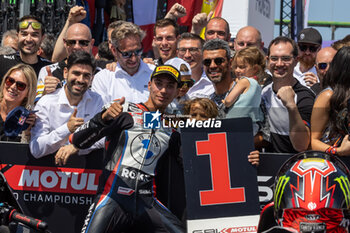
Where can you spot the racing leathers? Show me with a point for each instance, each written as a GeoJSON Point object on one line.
{"type": "Point", "coordinates": [125, 200]}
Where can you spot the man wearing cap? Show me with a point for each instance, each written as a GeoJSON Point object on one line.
{"type": "Point", "coordinates": [187, 82]}
{"type": "Point", "coordinates": [309, 43]}
{"type": "Point", "coordinates": [135, 140]}
{"type": "Point", "coordinates": [30, 32]}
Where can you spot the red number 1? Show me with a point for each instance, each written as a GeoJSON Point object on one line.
{"type": "Point", "coordinates": [222, 193]}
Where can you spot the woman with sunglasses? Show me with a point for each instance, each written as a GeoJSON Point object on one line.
{"type": "Point", "coordinates": [18, 88]}
{"type": "Point", "coordinates": [331, 111]}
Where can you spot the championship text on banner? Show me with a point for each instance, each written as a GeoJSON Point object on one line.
{"type": "Point", "coordinates": [59, 196]}
{"type": "Point", "coordinates": [221, 185]}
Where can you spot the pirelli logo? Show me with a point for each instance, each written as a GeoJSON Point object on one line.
{"type": "Point", "coordinates": [167, 68]}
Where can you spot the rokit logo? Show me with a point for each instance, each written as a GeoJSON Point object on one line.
{"type": "Point", "coordinates": [53, 179]}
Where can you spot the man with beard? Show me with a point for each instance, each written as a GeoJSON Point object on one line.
{"type": "Point", "coordinates": [30, 32]}
{"type": "Point", "coordinates": [63, 111]}
{"type": "Point", "coordinates": [78, 37]}
{"type": "Point", "coordinates": [309, 43]}
{"type": "Point", "coordinates": [216, 62]}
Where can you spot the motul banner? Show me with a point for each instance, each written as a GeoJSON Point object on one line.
{"type": "Point", "coordinates": [61, 196]}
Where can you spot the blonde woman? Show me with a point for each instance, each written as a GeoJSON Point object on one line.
{"type": "Point", "coordinates": [18, 87]}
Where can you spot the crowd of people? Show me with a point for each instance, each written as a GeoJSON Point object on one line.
{"type": "Point", "coordinates": [296, 93]}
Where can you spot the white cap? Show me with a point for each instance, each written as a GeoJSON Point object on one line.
{"type": "Point", "coordinates": [181, 65]}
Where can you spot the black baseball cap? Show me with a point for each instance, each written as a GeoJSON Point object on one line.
{"type": "Point", "coordinates": [310, 36]}
{"type": "Point", "coordinates": [170, 70]}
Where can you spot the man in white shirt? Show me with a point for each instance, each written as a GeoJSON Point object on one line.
{"type": "Point", "coordinates": [189, 48]}
{"type": "Point", "coordinates": [60, 113]}
{"type": "Point", "coordinates": [131, 76]}
{"type": "Point", "coordinates": [309, 43]}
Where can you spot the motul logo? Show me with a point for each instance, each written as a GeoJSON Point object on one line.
{"type": "Point", "coordinates": [53, 179]}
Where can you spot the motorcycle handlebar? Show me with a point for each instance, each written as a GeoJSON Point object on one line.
{"type": "Point", "coordinates": [29, 221]}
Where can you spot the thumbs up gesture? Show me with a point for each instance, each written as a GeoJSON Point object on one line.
{"type": "Point", "coordinates": [50, 82]}
{"type": "Point", "coordinates": [114, 110]}
{"type": "Point", "coordinates": [74, 122]}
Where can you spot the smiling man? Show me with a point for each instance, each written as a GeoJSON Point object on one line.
{"type": "Point", "coordinates": [62, 112]}
{"type": "Point", "coordinates": [216, 62]}
{"type": "Point", "coordinates": [189, 48]}
{"type": "Point", "coordinates": [78, 37]}
{"type": "Point", "coordinates": [132, 154]}
{"type": "Point", "coordinates": [131, 75]}
{"type": "Point", "coordinates": [166, 32]}
{"type": "Point", "coordinates": [30, 31]}
{"type": "Point", "coordinates": [288, 103]}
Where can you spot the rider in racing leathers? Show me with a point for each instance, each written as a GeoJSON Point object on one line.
{"type": "Point", "coordinates": [125, 200]}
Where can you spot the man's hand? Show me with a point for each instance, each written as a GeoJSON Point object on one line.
{"type": "Point", "coordinates": [64, 153]}
{"type": "Point", "coordinates": [76, 14]}
{"type": "Point", "coordinates": [113, 111]}
{"type": "Point", "coordinates": [111, 66]}
{"type": "Point", "coordinates": [200, 21]}
{"type": "Point", "coordinates": [310, 79]}
{"type": "Point", "coordinates": [176, 11]}
{"type": "Point", "coordinates": [74, 122]}
{"type": "Point", "coordinates": [50, 82]}
{"type": "Point", "coordinates": [148, 60]}
{"type": "Point", "coordinates": [286, 95]}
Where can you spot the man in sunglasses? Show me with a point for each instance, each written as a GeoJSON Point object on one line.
{"type": "Point", "coordinates": [78, 37]}
{"type": "Point", "coordinates": [323, 59]}
{"type": "Point", "coordinates": [131, 75]}
{"type": "Point", "coordinates": [30, 32]}
{"type": "Point", "coordinates": [216, 62]}
{"type": "Point", "coordinates": [309, 43]}
{"type": "Point", "coordinates": [62, 112]}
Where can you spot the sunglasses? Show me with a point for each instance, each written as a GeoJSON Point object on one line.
{"type": "Point", "coordinates": [129, 54]}
{"type": "Point", "coordinates": [322, 65]}
{"type": "Point", "coordinates": [25, 25]}
{"type": "Point", "coordinates": [304, 48]}
{"type": "Point", "coordinates": [187, 83]}
{"type": "Point", "coordinates": [218, 61]}
{"type": "Point", "coordinates": [21, 86]}
{"type": "Point", "coordinates": [82, 43]}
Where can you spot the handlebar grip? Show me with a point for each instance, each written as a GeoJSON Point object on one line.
{"type": "Point", "coordinates": [29, 221]}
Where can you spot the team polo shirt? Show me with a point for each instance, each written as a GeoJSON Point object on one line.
{"type": "Point", "coordinates": [278, 117]}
